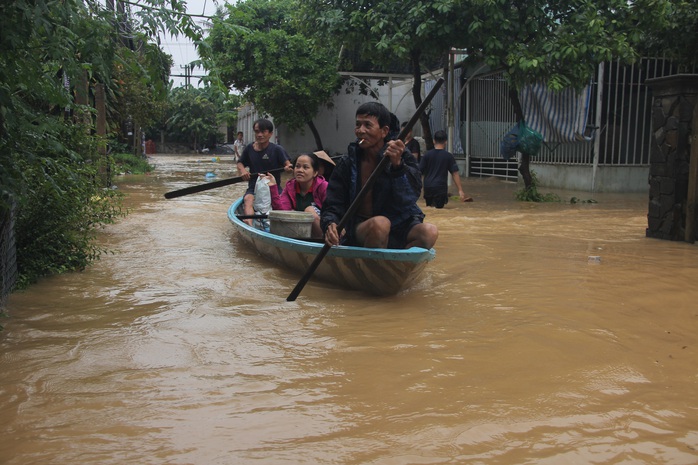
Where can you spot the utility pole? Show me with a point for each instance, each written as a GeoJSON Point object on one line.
{"type": "Point", "coordinates": [187, 75]}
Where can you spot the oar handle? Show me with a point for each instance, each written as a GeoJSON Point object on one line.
{"type": "Point", "coordinates": [362, 193]}
{"type": "Point", "coordinates": [212, 185]}
{"type": "Point", "coordinates": [215, 184]}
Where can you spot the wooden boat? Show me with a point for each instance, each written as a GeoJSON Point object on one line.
{"type": "Point", "coordinates": [376, 271]}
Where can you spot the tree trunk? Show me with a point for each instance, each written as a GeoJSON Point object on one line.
{"type": "Point", "coordinates": [137, 137]}
{"type": "Point", "coordinates": [415, 56]}
{"type": "Point", "coordinates": [525, 165]}
{"type": "Point", "coordinates": [82, 97]}
{"type": "Point", "coordinates": [101, 127]}
{"type": "Point", "coordinates": [316, 134]}
{"type": "Point", "coordinates": [525, 170]}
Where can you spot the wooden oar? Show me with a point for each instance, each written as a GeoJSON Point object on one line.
{"type": "Point", "coordinates": [362, 193]}
{"type": "Point", "coordinates": [228, 181]}
{"type": "Point", "coordinates": [211, 185]}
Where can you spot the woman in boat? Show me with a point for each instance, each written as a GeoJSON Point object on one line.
{"type": "Point", "coordinates": [304, 192]}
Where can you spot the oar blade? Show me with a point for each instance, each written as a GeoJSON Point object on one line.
{"type": "Point", "coordinates": [309, 272]}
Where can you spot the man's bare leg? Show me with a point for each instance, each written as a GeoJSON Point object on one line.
{"type": "Point", "coordinates": [374, 232]}
{"type": "Point", "coordinates": [422, 235]}
{"type": "Point", "coordinates": [248, 206]}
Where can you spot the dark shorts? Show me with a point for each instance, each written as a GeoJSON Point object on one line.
{"type": "Point", "coordinates": [398, 234]}
{"type": "Point", "coordinates": [436, 200]}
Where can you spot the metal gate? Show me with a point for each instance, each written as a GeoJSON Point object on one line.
{"type": "Point", "coordinates": [618, 121]}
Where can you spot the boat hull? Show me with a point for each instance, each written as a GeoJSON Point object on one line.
{"type": "Point", "coordinates": [376, 271]}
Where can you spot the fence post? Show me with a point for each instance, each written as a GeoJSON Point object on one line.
{"type": "Point", "coordinates": [597, 123]}
{"type": "Point", "coordinates": [692, 200]}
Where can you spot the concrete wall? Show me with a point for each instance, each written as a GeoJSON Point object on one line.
{"type": "Point", "coordinates": [580, 178]}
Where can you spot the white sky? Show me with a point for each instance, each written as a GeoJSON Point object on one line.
{"type": "Point", "coordinates": [182, 50]}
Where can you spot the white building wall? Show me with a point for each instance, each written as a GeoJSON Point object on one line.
{"type": "Point", "coordinates": [335, 124]}
{"type": "Point", "coordinates": [581, 178]}
{"type": "Point", "coordinates": [223, 129]}
{"type": "Point", "coordinates": [247, 115]}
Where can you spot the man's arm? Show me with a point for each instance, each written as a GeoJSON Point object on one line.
{"type": "Point", "coordinates": [337, 198]}
{"type": "Point", "coordinates": [456, 181]}
{"type": "Point", "coordinates": [456, 178]}
{"type": "Point", "coordinates": [286, 163]}
{"type": "Point", "coordinates": [242, 159]}
{"type": "Point", "coordinates": [406, 182]}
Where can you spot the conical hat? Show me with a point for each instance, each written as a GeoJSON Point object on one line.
{"type": "Point", "coordinates": [323, 156]}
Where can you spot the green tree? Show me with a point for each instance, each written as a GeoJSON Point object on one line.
{"type": "Point", "coordinates": [193, 116]}
{"type": "Point", "coordinates": [46, 48]}
{"type": "Point", "coordinates": [58, 217]}
{"type": "Point", "coordinates": [415, 32]}
{"type": "Point", "coordinates": [673, 32]}
{"type": "Point", "coordinates": [559, 42]}
{"type": "Point", "coordinates": [139, 91]}
{"type": "Point", "coordinates": [50, 49]}
{"type": "Point", "coordinates": [281, 71]}
{"type": "Point", "coordinates": [225, 103]}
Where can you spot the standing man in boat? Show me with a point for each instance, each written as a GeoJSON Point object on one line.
{"type": "Point", "coordinates": [388, 216]}
{"type": "Point", "coordinates": [261, 156]}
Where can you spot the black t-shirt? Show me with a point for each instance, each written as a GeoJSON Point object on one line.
{"type": "Point", "coordinates": [436, 165]}
{"type": "Point", "coordinates": [272, 157]}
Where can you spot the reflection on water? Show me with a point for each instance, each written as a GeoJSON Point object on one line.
{"type": "Point", "coordinates": [514, 348]}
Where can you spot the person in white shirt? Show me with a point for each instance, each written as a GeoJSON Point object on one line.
{"type": "Point", "coordinates": [238, 146]}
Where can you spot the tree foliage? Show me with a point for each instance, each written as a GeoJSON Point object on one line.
{"type": "Point", "coordinates": [193, 116]}
{"type": "Point", "coordinates": [559, 42]}
{"type": "Point", "coordinates": [671, 30]}
{"type": "Point", "coordinates": [50, 50]}
{"type": "Point", "coordinates": [416, 32]}
{"type": "Point", "coordinates": [62, 210]}
{"type": "Point", "coordinates": [46, 47]}
{"type": "Point", "coordinates": [139, 89]}
{"type": "Point", "coordinates": [280, 70]}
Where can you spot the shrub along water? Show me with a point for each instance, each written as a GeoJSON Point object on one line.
{"type": "Point", "coordinates": [131, 164]}
{"type": "Point", "coordinates": [60, 212]}
{"type": "Point", "coordinates": [531, 194]}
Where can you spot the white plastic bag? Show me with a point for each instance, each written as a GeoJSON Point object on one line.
{"type": "Point", "coordinates": [262, 202]}
{"type": "Point", "coordinates": [262, 196]}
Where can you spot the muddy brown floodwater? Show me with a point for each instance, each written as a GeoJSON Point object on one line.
{"type": "Point", "coordinates": [514, 348]}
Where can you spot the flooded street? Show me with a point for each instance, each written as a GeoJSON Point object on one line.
{"type": "Point", "coordinates": [514, 347]}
